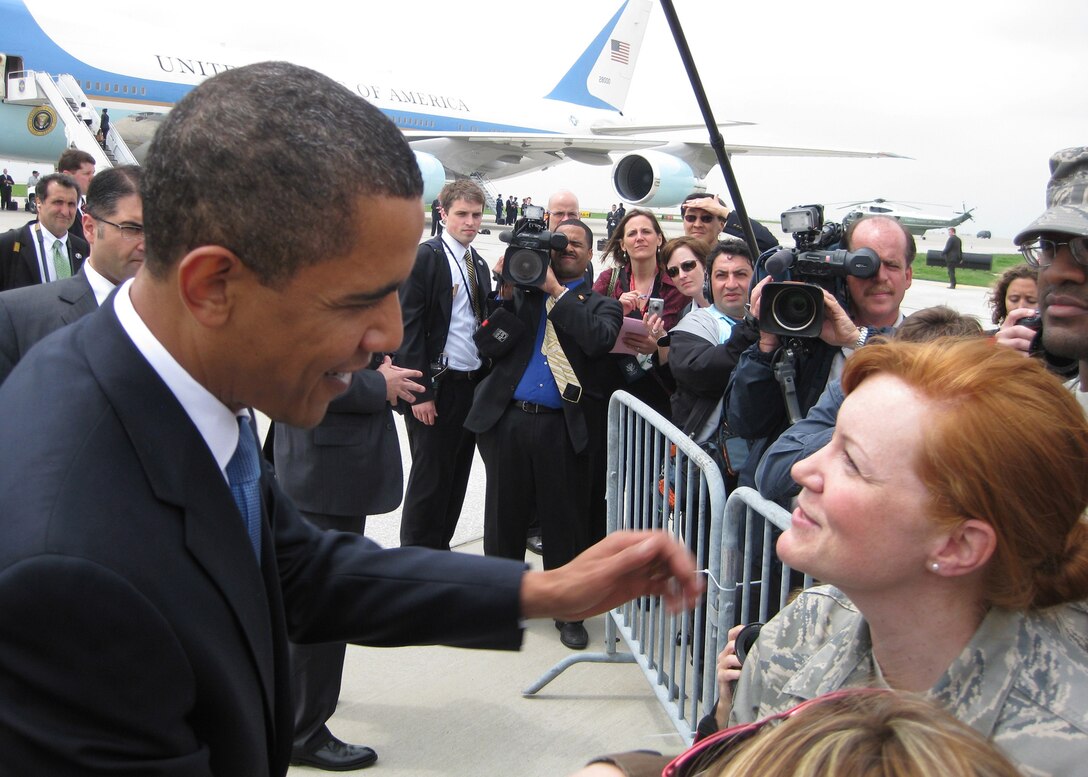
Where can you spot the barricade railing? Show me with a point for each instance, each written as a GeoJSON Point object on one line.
{"type": "Point", "coordinates": [658, 478]}
{"type": "Point", "coordinates": [754, 585]}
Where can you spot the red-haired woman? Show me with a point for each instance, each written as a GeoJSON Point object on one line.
{"type": "Point", "coordinates": [957, 562]}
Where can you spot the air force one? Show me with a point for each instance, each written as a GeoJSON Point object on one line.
{"type": "Point", "coordinates": [138, 74]}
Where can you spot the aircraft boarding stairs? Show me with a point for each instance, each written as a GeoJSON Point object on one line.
{"type": "Point", "coordinates": [489, 191]}
{"type": "Point", "coordinates": [64, 94]}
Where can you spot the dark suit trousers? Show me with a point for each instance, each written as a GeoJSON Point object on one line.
{"type": "Point", "coordinates": [441, 462]}
{"type": "Point", "coordinates": [951, 275]}
{"type": "Point", "coordinates": [532, 470]}
{"type": "Point", "coordinates": [316, 669]}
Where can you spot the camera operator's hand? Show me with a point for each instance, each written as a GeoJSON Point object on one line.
{"type": "Point", "coordinates": [505, 290]}
{"type": "Point", "coordinates": [727, 674]}
{"type": "Point", "coordinates": [551, 285]}
{"type": "Point", "coordinates": [838, 329]}
{"type": "Point", "coordinates": [1013, 335]}
{"type": "Point", "coordinates": [768, 343]}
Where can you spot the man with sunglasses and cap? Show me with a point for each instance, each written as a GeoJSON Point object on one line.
{"type": "Point", "coordinates": [1057, 244]}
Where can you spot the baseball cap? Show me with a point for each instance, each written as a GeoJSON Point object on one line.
{"type": "Point", "coordinates": [1066, 197]}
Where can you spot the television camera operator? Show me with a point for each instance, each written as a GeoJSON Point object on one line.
{"type": "Point", "coordinates": [778, 378]}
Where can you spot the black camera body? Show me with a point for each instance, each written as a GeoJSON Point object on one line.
{"type": "Point", "coordinates": [528, 258]}
{"type": "Point", "coordinates": [797, 309]}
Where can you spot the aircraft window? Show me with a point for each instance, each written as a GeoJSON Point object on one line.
{"type": "Point", "coordinates": [143, 90]}
{"type": "Point", "coordinates": [98, 86]}
{"type": "Point", "coordinates": [125, 89]}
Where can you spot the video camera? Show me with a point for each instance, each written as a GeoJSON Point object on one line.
{"type": "Point", "coordinates": [528, 258]}
{"type": "Point", "coordinates": [797, 309]}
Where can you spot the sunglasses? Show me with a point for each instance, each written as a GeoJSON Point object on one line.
{"type": "Point", "coordinates": [687, 266]}
{"type": "Point", "coordinates": [703, 754]}
{"type": "Point", "coordinates": [706, 218]}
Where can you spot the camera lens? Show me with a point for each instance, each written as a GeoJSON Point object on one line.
{"type": "Point", "coordinates": [524, 267]}
{"type": "Point", "coordinates": [794, 309]}
{"type": "Point", "coordinates": [747, 637]}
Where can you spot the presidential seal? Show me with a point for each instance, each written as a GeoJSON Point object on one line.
{"type": "Point", "coordinates": [41, 120]}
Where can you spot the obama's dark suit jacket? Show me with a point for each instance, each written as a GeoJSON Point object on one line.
{"type": "Point", "coordinates": [138, 632]}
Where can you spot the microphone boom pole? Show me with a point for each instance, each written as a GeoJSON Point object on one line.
{"type": "Point", "coordinates": [716, 140]}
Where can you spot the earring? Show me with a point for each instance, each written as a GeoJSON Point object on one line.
{"type": "Point", "coordinates": [935, 567]}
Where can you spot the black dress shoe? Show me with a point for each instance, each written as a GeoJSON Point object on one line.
{"type": "Point", "coordinates": [573, 634]}
{"type": "Point", "coordinates": [336, 756]}
{"type": "Point", "coordinates": [534, 544]}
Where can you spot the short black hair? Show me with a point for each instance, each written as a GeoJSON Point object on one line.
{"type": "Point", "coordinates": [585, 228]}
{"type": "Point", "coordinates": [269, 161]}
{"type": "Point", "coordinates": [110, 186]}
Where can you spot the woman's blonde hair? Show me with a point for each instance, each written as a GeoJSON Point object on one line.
{"type": "Point", "coordinates": [866, 733]}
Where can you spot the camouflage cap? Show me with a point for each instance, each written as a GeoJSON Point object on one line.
{"type": "Point", "coordinates": [1066, 197]}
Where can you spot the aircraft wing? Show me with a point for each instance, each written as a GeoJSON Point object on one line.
{"type": "Point", "coordinates": [499, 154]}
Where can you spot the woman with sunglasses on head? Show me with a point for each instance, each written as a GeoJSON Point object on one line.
{"type": "Point", "coordinates": [956, 564]}
{"type": "Point", "coordinates": [854, 733]}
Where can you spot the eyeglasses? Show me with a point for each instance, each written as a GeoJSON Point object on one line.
{"type": "Point", "coordinates": [1042, 251]}
{"type": "Point", "coordinates": [687, 266]}
{"type": "Point", "coordinates": [128, 231]}
{"type": "Point", "coordinates": [706, 218]}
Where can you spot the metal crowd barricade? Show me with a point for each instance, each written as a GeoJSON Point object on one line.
{"type": "Point", "coordinates": [658, 478]}
{"type": "Point", "coordinates": [754, 586]}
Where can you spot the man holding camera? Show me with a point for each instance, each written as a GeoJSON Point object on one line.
{"type": "Point", "coordinates": [540, 413]}
{"type": "Point", "coordinates": [442, 304]}
{"type": "Point", "coordinates": [755, 407]}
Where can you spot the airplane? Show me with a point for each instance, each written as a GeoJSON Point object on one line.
{"type": "Point", "coordinates": [580, 119]}
{"type": "Point", "coordinates": [910, 216]}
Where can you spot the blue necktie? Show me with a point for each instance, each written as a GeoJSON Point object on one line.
{"type": "Point", "coordinates": [244, 476]}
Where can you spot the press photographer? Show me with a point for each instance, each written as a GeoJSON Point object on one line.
{"type": "Point", "coordinates": [755, 402]}
{"type": "Point", "coordinates": [540, 413]}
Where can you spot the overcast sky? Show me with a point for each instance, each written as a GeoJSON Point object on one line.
{"type": "Point", "coordinates": [977, 93]}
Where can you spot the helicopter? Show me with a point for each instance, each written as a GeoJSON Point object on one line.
{"type": "Point", "coordinates": [908, 214]}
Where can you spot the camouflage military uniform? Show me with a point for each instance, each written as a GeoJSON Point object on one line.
{"type": "Point", "coordinates": [1022, 680]}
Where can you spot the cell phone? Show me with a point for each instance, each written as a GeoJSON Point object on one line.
{"type": "Point", "coordinates": [655, 306]}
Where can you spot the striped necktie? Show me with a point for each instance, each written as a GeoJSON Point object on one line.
{"type": "Point", "coordinates": [470, 276]}
{"type": "Point", "coordinates": [61, 266]}
{"type": "Point", "coordinates": [565, 379]}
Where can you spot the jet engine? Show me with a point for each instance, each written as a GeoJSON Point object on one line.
{"type": "Point", "coordinates": [654, 178]}
{"type": "Point", "coordinates": [434, 175]}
